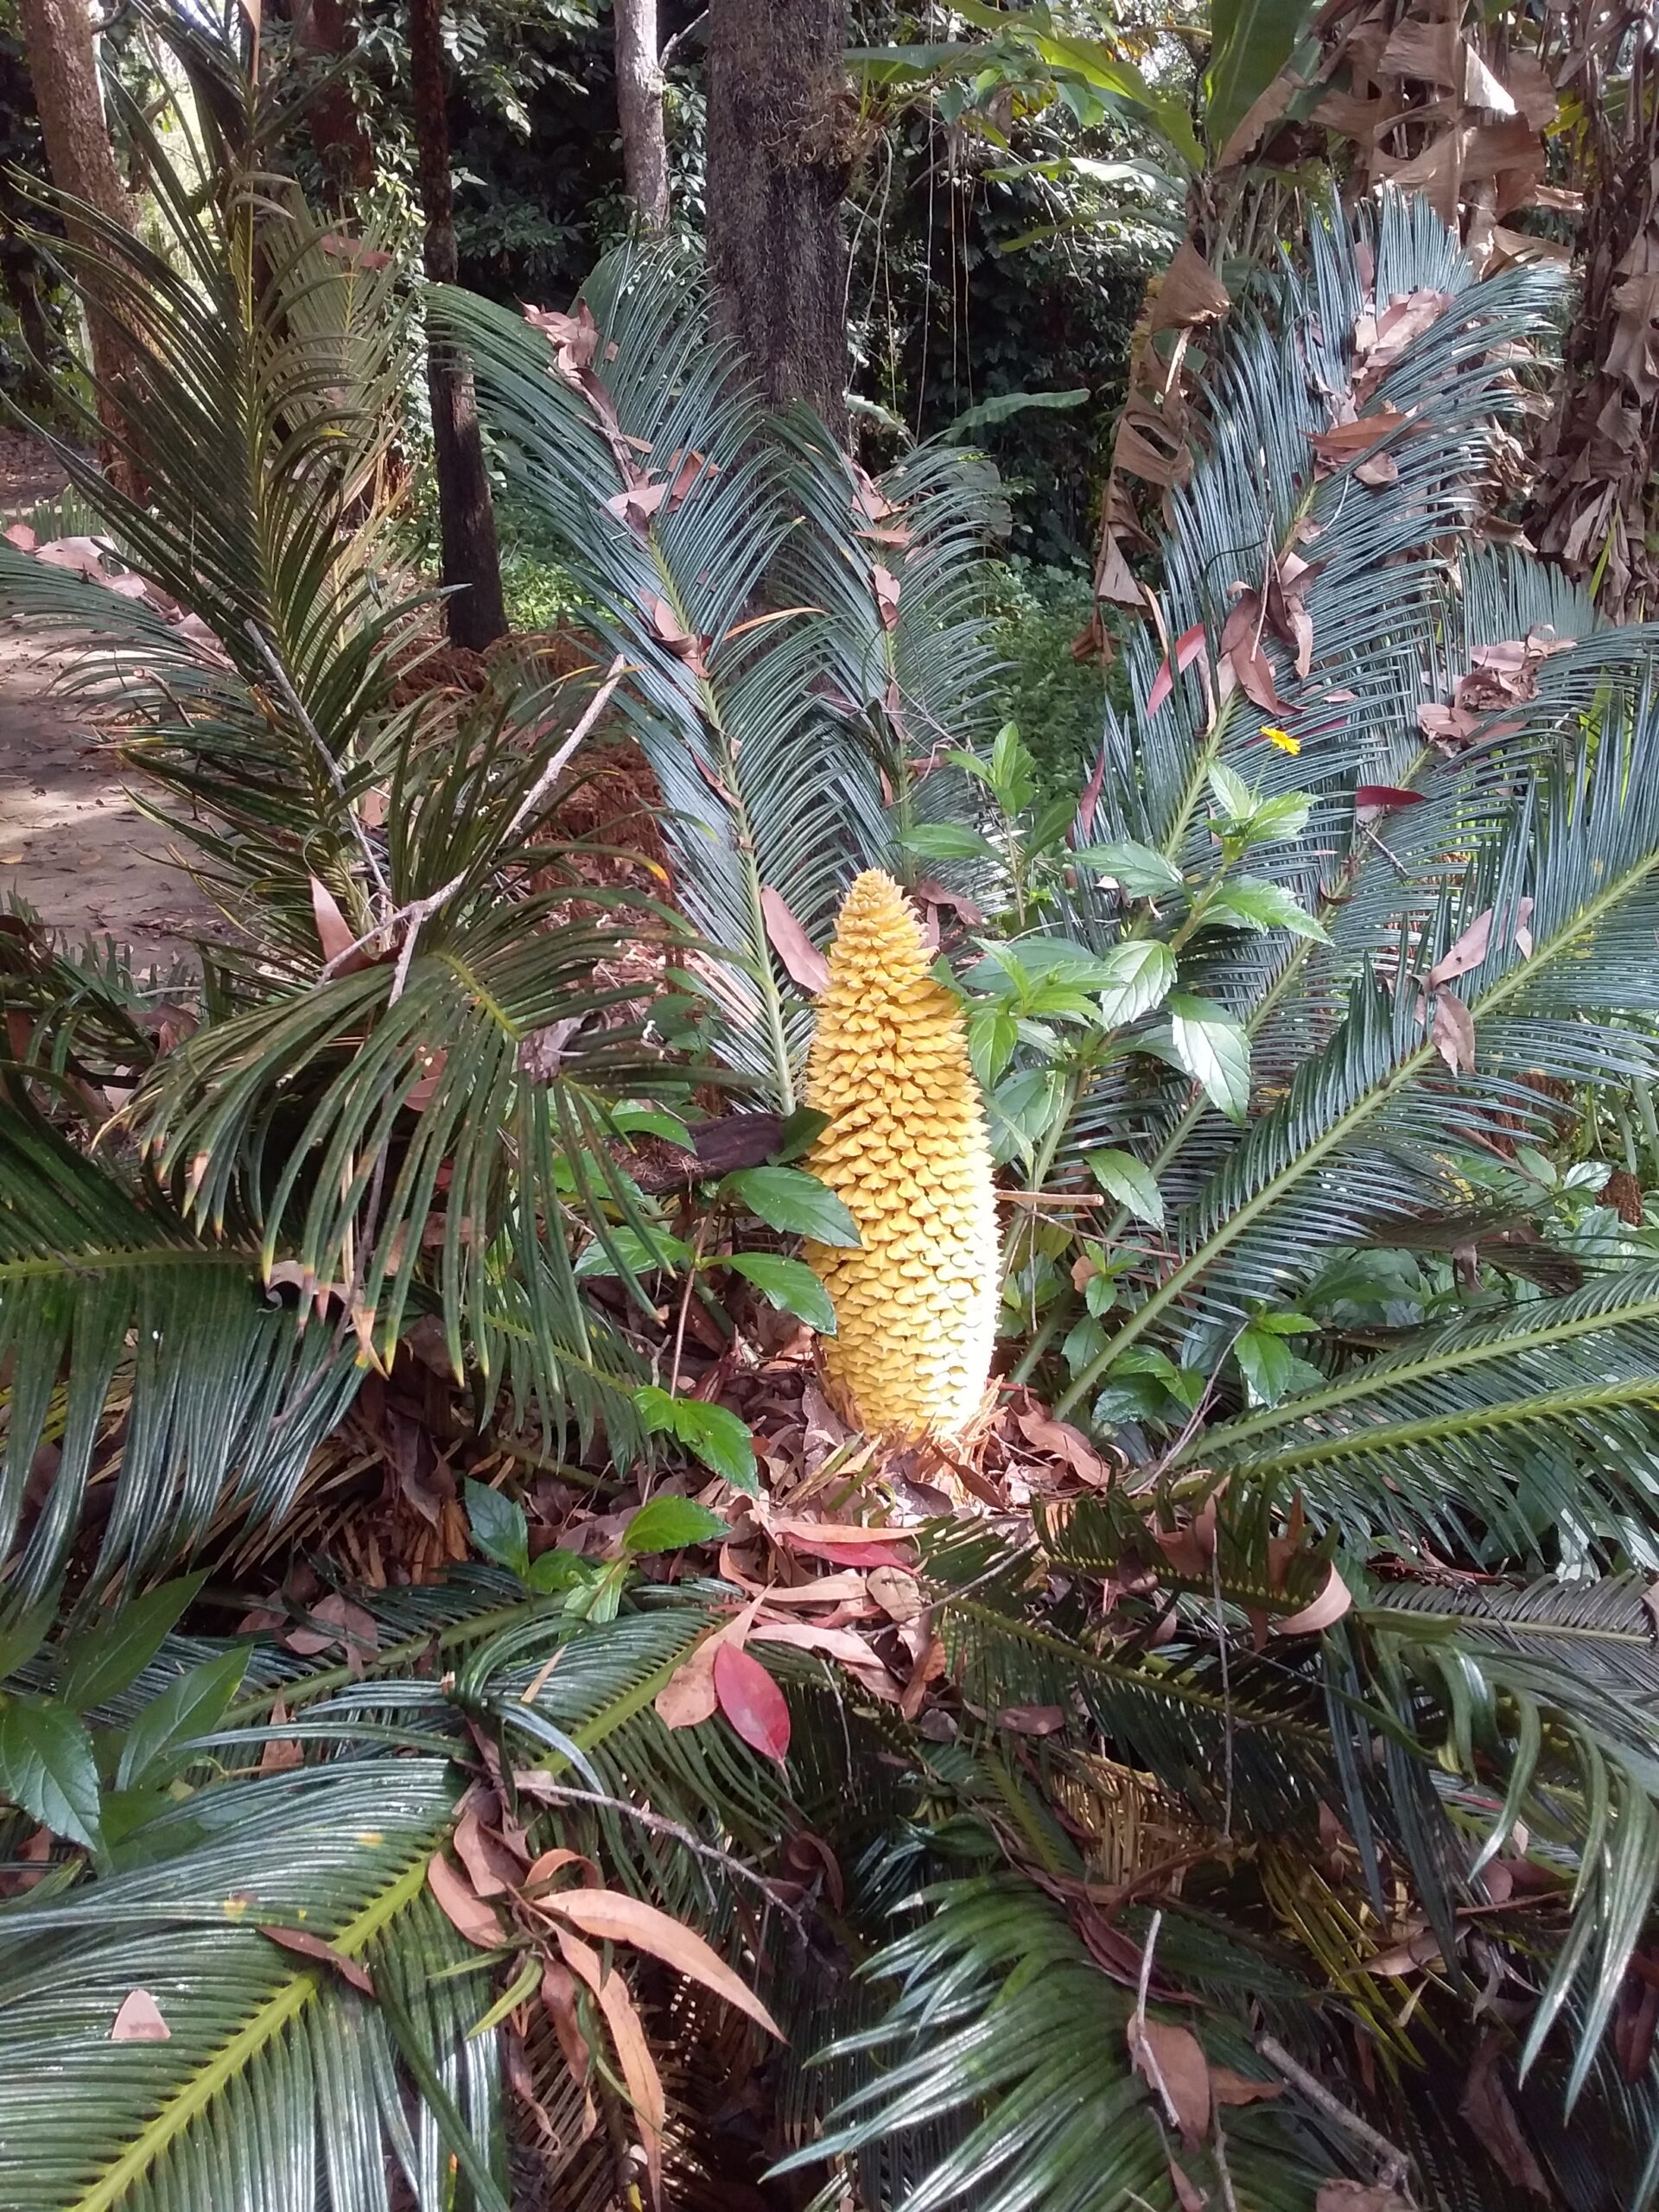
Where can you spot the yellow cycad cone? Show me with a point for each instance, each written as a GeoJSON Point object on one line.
{"type": "Point", "coordinates": [906, 1152]}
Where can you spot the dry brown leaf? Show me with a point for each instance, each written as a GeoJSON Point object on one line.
{"type": "Point", "coordinates": [615, 1917]}
{"type": "Point", "coordinates": [1486, 2106]}
{"type": "Point", "coordinates": [803, 963]}
{"type": "Point", "coordinates": [1454, 1033]}
{"type": "Point", "coordinates": [1189, 293]}
{"type": "Point", "coordinates": [334, 933]}
{"type": "Point", "coordinates": [344, 1624]}
{"type": "Point", "coordinates": [1230, 2089]}
{"type": "Point", "coordinates": [139, 2020]}
{"type": "Point", "coordinates": [1062, 1441]}
{"type": "Point", "coordinates": [1174, 2056]}
{"type": "Point", "coordinates": [1376, 470]}
{"type": "Point", "coordinates": [1321, 1612]}
{"type": "Point", "coordinates": [688, 1698]}
{"type": "Point", "coordinates": [463, 1906]}
{"type": "Point", "coordinates": [1188, 2195]}
{"type": "Point", "coordinates": [1418, 1950]}
{"type": "Point", "coordinates": [644, 2082]}
{"type": "Point", "coordinates": [281, 1754]}
{"type": "Point", "coordinates": [1359, 2197]}
{"type": "Point", "coordinates": [1343, 440]}
{"type": "Point", "coordinates": [492, 1869]}
{"type": "Point", "coordinates": [899, 1594]}
{"type": "Point", "coordinates": [1033, 1719]}
{"type": "Point", "coordinates": [887, 596]}
{"type": "Point", "coordinates": [313, 1947]}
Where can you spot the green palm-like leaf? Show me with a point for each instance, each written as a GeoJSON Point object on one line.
{"type": "Point", "coordinates": [225, 1394]}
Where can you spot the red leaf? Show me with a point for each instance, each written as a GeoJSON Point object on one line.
{"type": "Point", "coordinates": [803, 964]}
{"type": "Point", "coordinates": [1382, 797]}
{"type": "Point", "coordinates": [313, 1947]}
{"type": "Point", "coordinates": [860, 1552]}
{"type": "Point", "coordinates": [752, 1701]}
{"type": "Point", "coordinates": [1188, 646]}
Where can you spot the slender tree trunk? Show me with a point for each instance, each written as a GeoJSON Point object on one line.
{"type": "Point", "coordinates": [471, 563]}
{"type": "Point", "coordinates": [778, 163]}
{"type": "Point", "coordinates": [326, 31]}
{"type": "Point", "coordinates": [63, 67]}
{"type": "Point", "coordinates": [639, 110]}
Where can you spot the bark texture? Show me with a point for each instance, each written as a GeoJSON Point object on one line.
{"type": "Point", "coordinates": [327, 32]}
{"type": "Point", "coordinates": [472, 566]}
{"type": "Point", "coordinates": [639, 110]}
{"type": "Point", "coordinates": [780, 157]}
{"type": "Point", "coordinates": [63, 67]}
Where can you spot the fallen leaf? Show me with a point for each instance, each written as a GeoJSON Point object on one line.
{"type": "Point", "coordinates": [688, 1698]}
{"type": "Point", "coordinates": [139, 2020]}
{"type": "Point", "coordinates": [1227, 2087]}
{"type": "Point", "coordinates": [22, 537]}
{"type": "Point", "coordinates": [334, 933]}
{"type": "Point", "coordinates": [1421, 1949]}
{"type": "Point", "coordinates": [840, 1644]}
{"type": "Point", "coordinates": [686, 469]}
{"type": "Point", "coordinates": [899, 1594]}
{"type": "Point", "coordinates": [463, 1906]}
{"type": "Point", "coordinates": [1188, 646]}
{"type": "Point", "coordinates": [887, 596]}
{"type": "Point", "coordinates": [1454, 1033]}
{"type": "Point", "coordinates": [1343, 440]}
{"type": "Point", "coordinates": [1486, 2106]}
{"type": "Point", "coordinates": [615, 1917]}
{"type": "Point", "coordinates": [1371, 799]}
{"type": "Point", "coordinates": [282, 1753]}
{"type": "Point", "coordinates": [1376, 470]}
{"type": "Point", "coordinates": [839, 1539]}
{"type": "Point", "coordinates": [493, 1870]}
{"type": "Point", "coordinates": [313, 1947]}
{"type": "Point", "coordinates": [345, 1625]}
{"type": "Point", "coordinates": [643, 2081]}
{"type": "Point", "coordinates": [1033, 1719]}
{"type": "Point", "coordinates": [559, 2003]}
{"type": "Point", "coordinates": [1175, 2057]}
{"type": "Point", "coordinates": [1321, 1612]}
{"type": "Point", "coordinates": [1062, 1441]}
{"type": "Point", "coordinates": [1359, 2197]}
{"type": "Point", "coordinates": [752, 1701]}
{"type": "Point", "coordinates": [808, 1856]}
{"type": "Point", "coordinates": [1188, 2195]}
{"type": "Point", "coordinates": [803, 963]}
{"type": "Point", "coordinates": [683, 644]}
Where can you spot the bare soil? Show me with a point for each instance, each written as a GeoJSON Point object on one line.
{"type": "Point", "coordinates": [72, 845]}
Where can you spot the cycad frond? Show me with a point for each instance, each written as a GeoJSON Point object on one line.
{"type": "Point", "coordinates": [223, 1395]}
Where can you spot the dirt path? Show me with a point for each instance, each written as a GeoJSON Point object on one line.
{"type": "Point", "coordinates": [72, 845]}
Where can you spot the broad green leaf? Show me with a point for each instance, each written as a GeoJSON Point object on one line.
{"type": "Point", "coordinates": [992, 1037]}
{"type": "Point", "coordinates": [1142, 973]}
{"type": "Point", "coordinates": [652, 1121]}
{"type": "Point", "coordinates": [553, 1570]}
{"type": "Point", "coordinates": [189, 1707]}
{"type": "Point", "coordinates": [47, 1767]}
{"type": "Point", "coordinates": [1281, 817]}
{"type": "Point", "coordinates": [948, 841]}
{"type": "Point", "coordinates": [1233, 795]}
{"type": "Point", "coordinates": [669, 1524]}
{"type": "Point", "coordinates": [662, 1251]}
{"type": "Point", "coordinates": [25, 1637]}
{"type": "Point", "coordinates": [790, 1284]}
{"type": "Point", "coordinates": [1133, 868]}
{"type": "Point", "coordinates": [712, 1434]}
{"type": "Point", "coordinates": [1020, 1109]}
{"type": "Point", "coordinates": [1251, 40]}
{"type": "Point", "coordinates": [1259, 905]}
{"type": "Point", "coordinates": [1131, 1182]}
{"type": "Point", "coordinates": [102, 1662]}
{"type": "Point", "coordinates": [790, 1199]}
{"type": "Point", "coordinates": [1269, 1366]}
{"type": "Point", "coordinates": [800, 1133]}
{"type": "Point", "coordinates": [1214, 1050]}
{"type": "Point", "coordinates": [999, 408]}
{"type": "Point", "coordinates": [499, 1528]}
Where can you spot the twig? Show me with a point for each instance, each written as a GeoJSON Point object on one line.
{"type": "Point", "coordinates": [1392, 2164]}
{"type": "Point", "coordinates": [553, 1792]}
{"type": "Point", "coordinates": [411, 918]}
{"type": "Point", "coordinates": [267, 654]}
{"type": "Point", "coordinates": [685, 1300]}
{"type": "Point", "coordinates": [1226, 1687]}
{"type": "Point", "coordinates": [1145, 2054]}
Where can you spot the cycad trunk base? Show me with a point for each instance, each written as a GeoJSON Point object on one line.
{"type": "Point", "coordinates": [907, 1152]}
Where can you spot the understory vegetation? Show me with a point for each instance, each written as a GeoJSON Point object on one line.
{"type": "Point", "coordinates": [482, 1726]}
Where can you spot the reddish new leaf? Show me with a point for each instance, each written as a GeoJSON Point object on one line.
{"type": "Point", "coordinates": [1381, 799]}
{"type": "Point", "coordinates": [1188, 646]}
{"type": "Point", "coordinates": [752, 1701]}
{"type": "Point", "coordinates": [313, 1947]}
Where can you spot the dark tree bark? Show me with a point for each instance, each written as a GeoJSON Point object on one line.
{"type": "Point", "coordinates": [325, 30]}
{"type": "Point", "coordinates": [63, 67]}
{"type": "Point", "coordinates": [472, 565]}
{"type": "Point", "coordinates": [639, 110]}
{"type": "Point", "coordinates": [778, 163]}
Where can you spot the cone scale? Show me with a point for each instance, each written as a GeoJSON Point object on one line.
{"type": "Point", "coordinates": [905, 1151]}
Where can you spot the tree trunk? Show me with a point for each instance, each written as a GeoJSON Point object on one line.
{"type": "Point", "coordinates": [63, 67]}
{"type": "Point", "coordinates": [639, 111]}
{"type": "Point", "coordinates": [326, 31]}
{"type": "Point", "coordinates": [472, 566]}
{"type": "Point", "coordinates": [778, 164]}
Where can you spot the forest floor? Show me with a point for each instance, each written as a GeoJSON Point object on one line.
{"type": "Point", "coordinates": [73, 846]}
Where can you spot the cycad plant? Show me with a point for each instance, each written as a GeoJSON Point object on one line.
{"type": "Point", "coordinates": [1246, 1794]}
